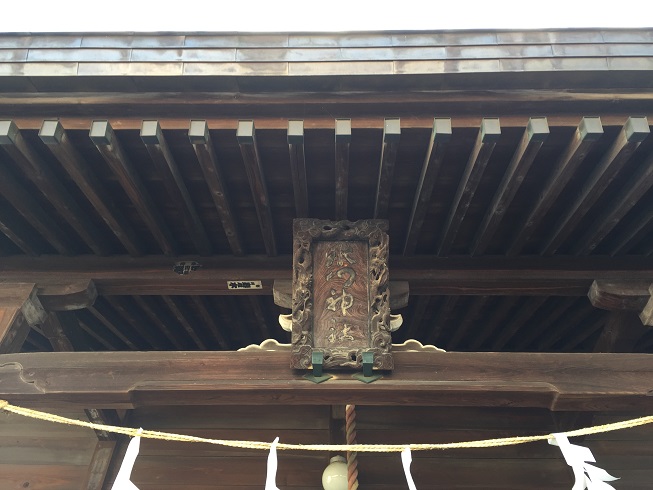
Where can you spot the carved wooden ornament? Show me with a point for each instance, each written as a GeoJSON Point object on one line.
{"type": "Point", "coordinates": [340, 293]}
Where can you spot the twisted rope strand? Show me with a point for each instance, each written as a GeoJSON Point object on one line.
{"type": "Point", "coordinates": [352, 456]}
{"type": "Point", "coordinates": [374, 448]}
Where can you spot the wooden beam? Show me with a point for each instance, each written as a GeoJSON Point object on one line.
{"type": "Point", "coordinates": [55, 137]}
{"type": "Point", "coordinates": [440, 136]}
{"type": "Point", "coordinates": [391, 136]}
{"type": "Point", "coordinates": [44, 178]}
{"type": "Point", "coordinates": [298, 167]}
{"type": "Point", "coordinates": [20, 309]}
{"type": "Point", "coordinates": [583, 382]}
{"type": "Point", "coordinates": [25, 204]}
{"type": "Point", "coordinates": [246, 136]}
{"type": "Point", "coordinates": [488, 136]}
{"type": "Point", "coordinates": [627, 198]}
{"type": "Point", "coordinates": [636, 231]}
{"type": "Point", "coordinates": [534, 136]}
{"type": "Point", "coordinates": [157, 147]}
{"type": "Point", "coordinates": [343, 141]}
{"type": "Point", "coordinates": [200, 138]}
{"type": "Point", "coordinates": [109, 146]}
{"type": "Point", "coordinates": [587, 133]}
{"type": "Point", "coordinates": [632, 134]}
{"type": "Point", "coordinates": [153, 275]}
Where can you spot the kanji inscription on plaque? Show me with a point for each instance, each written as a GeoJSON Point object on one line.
{"type": "Point", "coordinates": [340, 293]}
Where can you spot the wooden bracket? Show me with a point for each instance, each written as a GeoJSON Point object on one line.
{"type": "Point", "coordinates": [20, 309]}
{"type": "Point", "coordinates": [623, 295]}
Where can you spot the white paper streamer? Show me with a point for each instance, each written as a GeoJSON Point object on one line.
{"type": "Point", "coordinates": [123, 481]}
{"type": "Point", "coordinates": [271, 478]}
{"type": "Point", "coordinates": [587, 476]}
{"type": "Point", "coordinates": [406, 459]}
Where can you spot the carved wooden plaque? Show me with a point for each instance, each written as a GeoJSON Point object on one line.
{"type": "Point", "coordinates": [340, 293]}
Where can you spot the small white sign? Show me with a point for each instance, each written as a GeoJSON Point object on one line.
{"type": "Point", "coordinates": [244, 284]}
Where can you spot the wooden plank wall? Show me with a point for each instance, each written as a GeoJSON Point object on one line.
{"type": "Point", "coordinates": [165, 465]}
{"type": "Point", "coordinates": [44, 455]}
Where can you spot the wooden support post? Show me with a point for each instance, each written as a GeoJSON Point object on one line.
{"type": "Point", "coordinates": [109, 146]}
{"type": "Point", "coordinates": [298, 167]}
{"type": "Point", "coordinates": [391, 136]}
{"type": "Point", "coordinates": [246, 136]}
{"type": "Point", "coordinates": [200, 138]}
{"type": "Point", "coordinates": [20, 309]}
{"type": "Point", "coordinates": [343, 141]}
{"type": "Point", "coordinates": [488, 135]}
{"type": "Point", "coordinates": [157, 147]}
{"type": "Point", "coordinates": [440, 136]}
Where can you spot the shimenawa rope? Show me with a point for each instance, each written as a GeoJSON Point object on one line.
{"type": "Point", "coordinates": [374, 448]}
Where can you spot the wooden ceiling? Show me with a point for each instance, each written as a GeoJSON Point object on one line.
{"type": "Point", "coordinates": [515, 169]}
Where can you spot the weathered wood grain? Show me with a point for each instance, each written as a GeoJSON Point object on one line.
{"type": "Point", "coordinates": [123, 380]}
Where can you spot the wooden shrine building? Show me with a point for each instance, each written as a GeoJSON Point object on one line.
{"type": "Point", "coordinates": [148, 186]}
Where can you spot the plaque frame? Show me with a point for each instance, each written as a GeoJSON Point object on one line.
{"type": "Point", "coordinates": [306, 234]}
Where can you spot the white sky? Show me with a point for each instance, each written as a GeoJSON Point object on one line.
{"type": "Point", "coordinates": [316, 15]}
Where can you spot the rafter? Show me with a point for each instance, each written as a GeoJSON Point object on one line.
{"type": "Point", "coordinates": [632, 134]}
{"type": "Point", "coordinates": [14, 192]}
{"type": "Point", "coordinates": [109, 146]}
{"type": "Point", "coordinates": [167, 167]}
{"type": "Point", "coordinates": [298, 167]}
{"type": "Point", "coordinates": [516, 322]}
{"type": "Point", "coordinates": [47, 182]}
{"type": "Point", "coordinates": [627, 198]}
{"type": "Point", "coordinates": [200, 138]}
{"type": "Point", "coordinates": [342, 142]}
{"type": "Point", "coordinates": [145, 303]}
{"type": "Point", "coordinates": [246, 136]}
{"type": "Point", "coordinates": [471, 316]}
{"type": "Point", "coordinates": [55, 137]}
{"type": "Point", "coordinates": [176, 310]}
{"type": "Point", "coordinates": [207, 317]}
{"type": "Point", "coordinates": [587, 133]}
{"type": "Point", "coordinates": [22, 236]}
{"type": "Point", "coordinates": [488, 135]}
{"type": "Point", "coordinates": [534, 136]}
{"type": "Point", "coordinates": [391, 136]}
{"type": "Point", "coordinates": [123, 379]}
{"type": "Point", "coordinates": [440, 136]}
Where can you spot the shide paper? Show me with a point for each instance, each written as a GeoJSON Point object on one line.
{"type": "Point", "coordinates": [587, 476]}
{"type": "Point", "coordinates": [406, 459]}
{"type": "Point", "coordinates": [271, 478]}
{"type": "Point", "coordinates": [123, 481]}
